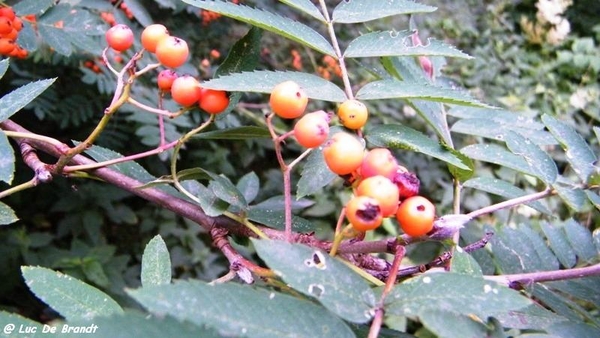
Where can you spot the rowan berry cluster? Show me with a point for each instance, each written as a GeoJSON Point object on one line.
{"type": "Point", "coordinates": [10, 26]}
{"type": "Point", "coordinates": [171, 52]}
{"type": "Point", "coordinates": [381, 186]}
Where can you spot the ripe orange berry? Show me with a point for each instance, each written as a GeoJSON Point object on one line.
{"type": "Point", "coordinates": [213, 101]}
{"type": "Point", "coordinates": [172, 51]}
{"type": "Point", "coordinates": [416, 215]}
{"type": "Point", "coordinates": [12, 35]}
{"type": "Point", "coordinates": [383, 190]}
{"type": "Point", "coordinates": [151, 35]}
{"type": "Point", "coordinates": [7, 12]}
{"type": "Point", "coordinates": [379, 161]}
{"type": "Point", "coordinates": [185, 90]}
{"type": "Point", "coordinates": [17, 24]}
{"type": "Point", "coordinates": [288, 100]}
{"type": "Point", "coordinates": [364, 213]}
{"type": "Point", "coordinates": [119, 37]}
{"type": "Point", "coordinates": [5, 25]}
{"type": "Point", "coordinates": [165, 79]}
{"type": "Point", "coordinates": [7, 46]}
{"type": "Point", "coordinates": [312, 129]}
{"type": "Point", "coordinates": [353, 114]}
{"type": "Point", "coordinates": [343, 153]}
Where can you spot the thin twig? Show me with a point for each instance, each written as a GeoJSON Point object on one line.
{"type": "Point", "coordinates": [516, 281]}
{"type": "Point", "coordinates": [399, 253]}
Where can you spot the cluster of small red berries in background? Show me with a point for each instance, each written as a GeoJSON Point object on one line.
{"type": "Point", "coordinates": [382, 187]}
{"type": "Point", "coordinates": [171, 52]}
{"type": "Point", "coordinates": [10, 26]}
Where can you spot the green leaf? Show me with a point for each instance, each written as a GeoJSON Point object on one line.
{"type": "Point", "coordinates": [394, 89]}
{"type": "Point", "coordinates": [7, 159]}
{"type": "Point", "coordinates": [7, 214]}
{"type": "Point", "coordinates": [316, 274]}
{"type": "Point", "coordinates": [516, 252]}
{"type": "Point", "coordinates": [94, 272]}
{"type": "Point", "coordinates": [11, 322]}
{"type": "Point", "coordinates": [458, 173]}
{"type": "Point", "coordinates": [249, 186]}
{"type": "Point", "coordinates": [577, 151]}
{"type": "Point", "coordinates": [275, 218]}
{"type": "Point", "coordinates": [264, 81]}
{"type": "Point", "coordinates": [243, 56]}
{"type": "Point", "coordinates": [397, 136]}
{"type": "Point", "coordinates": [497, 154]}
{"type": "Point", "coordinates": [504, 189]}
{"type": "Point", "coordinates": [3, 67]}
{"type": "Point", "coordinates": [307, 7]}
{"type": "Point", "coordinates": [574, 197]}
{"type": "Point", "coordinates": [70, 297]}
{"type": "Point", "coordinates": [499, 116]}
{"type": "Point", "coordinates": [573, 329]}
{"type": "Point", "coordinates": [54, 37]}
{"type": "Point", "coordinates": [138, 324]}
{"type": "Point", "coordinates": [594, 198]}
{"type": "Point", "coordinates": [397, 43]}
{"type": "Point", "coordinates": [226, 191]}
{"type": "Point", "coordinates": [36, 7]}
{"type": "Point", "coordinates": [494, 130]}
{"type": "Point", "coordinates": [315, 175]}
{"type": "Point", "coordinates": [271, 22]}
{"type": "Point", "coordinates": [449, 324]}
{"type": "Point", "coordinates": [581, 240]}
{"type": "Point", "coordinates": [433, 113]}
{"type": "Point", "coordinates": [462, 294]}
{"type": "Point", "coordinates": [366, 10]}
{"type": "Point", "coordinates": [211, 204]}
{"type": "Point", "coordinates": [597, 132]}
{"type": "Point", "coordinates": [559, 244]}
{"type": "Point", "coordinates": [236, 133]}
{"type": "Point", "coordinates": [540, 163]}
{"type": "Point", "coordinates": [464, 263]}
{"type": "Point", "coordinates": [531, 317]}
{"type": "Point", "coordinates": [238, 310]}
{"type": "Point", "coordinates": [156, 263]}
{"type": "Point", "coordinates": [139, 12]}
{"type": "Point", "coordinates": [20, 97]}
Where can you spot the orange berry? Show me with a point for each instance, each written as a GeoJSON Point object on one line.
{"type": "Point", "coordinates": [288, 100]}
{"type": "Point", "coordinates": [151, 35]}
{"type": "Point", "coordinates": [353, 114]}
{"type": "Point", "coordinates": [343, 153]}
{"type": "Point", "coordinates": [379, 161]}
{"type": "Point", "coordinates": [7, 12]}
{"type": "Point", "coordinates": [416, 215]}
{"type": "Point", "coordinates": [119, 37]}
{"type": "Point", "coordinates": [7, 46]}
{"type": "Point", "coordinates": [5, 25]}
{"type": "Point", "coordinates": [165, 79]}
{"type": "Point", "coordinates": [364, 213]}
{"type": "Point", "coordinates": [213, 101]}
{"type": "Point", "coordinates": [312, 129]}
{"type": "Point", "coordinates": [185, 90]}
{"type": "Point", "coordinates": [383, 190]}
{"type": "Point", "coordinates": [172, 51]}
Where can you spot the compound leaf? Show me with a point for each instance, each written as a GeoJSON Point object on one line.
{"type": "Point", "coordinates": [366, 10]}
{"type": "Point", "coordinates": [272, 22]}
{"type": "Point", "coordinates": [70, 297]}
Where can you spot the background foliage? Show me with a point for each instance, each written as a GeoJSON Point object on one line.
{"type": "Point", "coordinates": [106, 238]}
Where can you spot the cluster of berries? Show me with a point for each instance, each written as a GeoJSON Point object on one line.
{"type": "Point", "coordinates": [382, 187]}
{"type": "Point", "coordinates": [10, 26]}
{"type": "Point", "coordinates": [171, 52]}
